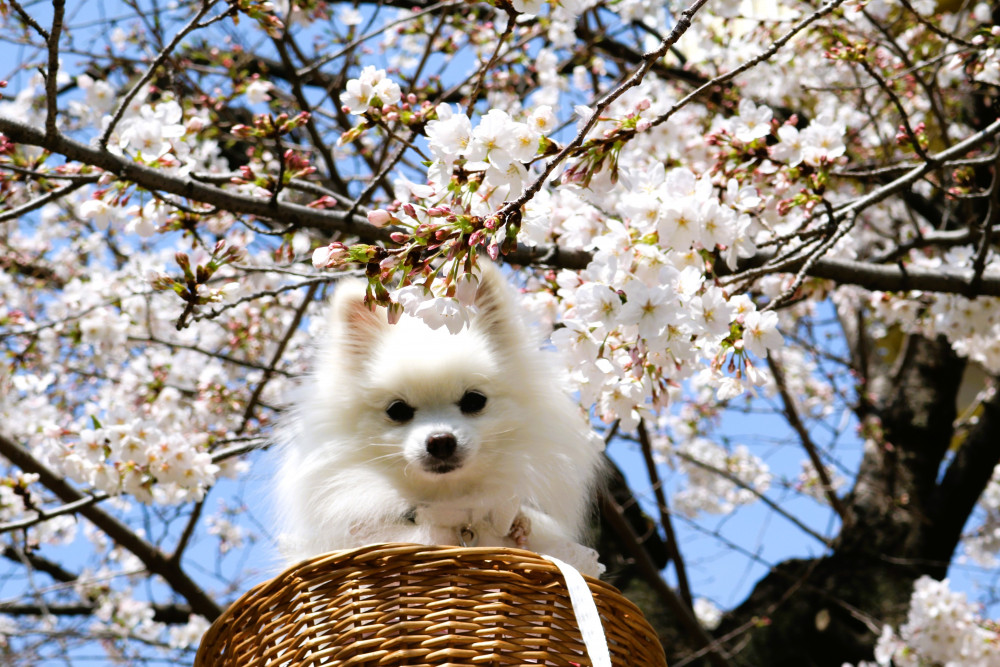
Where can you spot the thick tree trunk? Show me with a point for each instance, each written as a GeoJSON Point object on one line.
{"type": "Point", "coordinates": [901, 522]}
{"type": "Point", "coordinates": [904, 519]}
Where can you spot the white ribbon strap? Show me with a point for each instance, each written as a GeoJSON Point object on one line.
{"type": "Point", "coordinates": [587, 616]}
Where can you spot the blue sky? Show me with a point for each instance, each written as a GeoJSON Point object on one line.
{"type": "Point", "coordinates": [716, 571]}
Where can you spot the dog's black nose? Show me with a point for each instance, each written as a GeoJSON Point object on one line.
{"type": "Point", "coordinates": [441, 445]}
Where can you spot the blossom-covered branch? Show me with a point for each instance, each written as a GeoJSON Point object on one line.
{"type": "Point", "coordinates": [760, 236]}
{"type": "Point", "coordinates": [154, 560]}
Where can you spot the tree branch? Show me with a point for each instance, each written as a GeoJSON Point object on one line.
{"type": "Point", "coordinates": [965, 479]}
{"type": "Point", "coordinates": [173, 614]}
{"type": "Point", "coordinates": [152, 558]}
{"type": "Point", "coordinates": [869, 276]}
{"type": "Point", "coordinates": [39, 563]}
{"type": "Point", "coordinates": [668, 526]}
{"type": "Point", "coordinates": [158, 180]}
{"type": "Point", "coordinates": [613, 513]}
{"type": "Point", "coordinates": [52, 73]}
{"type": "Point", "coordinates": [795, 421]}
{"type": "Point", "coordinates": [879, 277]}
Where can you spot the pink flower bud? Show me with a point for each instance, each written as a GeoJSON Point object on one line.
{"type": "Point", "coordinates": [321, 257]}
{"type": "Point", "coordinates": [379, 217]}
{"type": "Point", "coordinates": [394, 312]}
{"type": "Point", "coordinates": [326, 201]}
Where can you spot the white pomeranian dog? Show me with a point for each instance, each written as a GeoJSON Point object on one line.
{"type": "Point", "coordinates": [405, 433]}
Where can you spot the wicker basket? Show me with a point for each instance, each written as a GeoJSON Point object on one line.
{"type": "Point", "coordinates": [413, 605]}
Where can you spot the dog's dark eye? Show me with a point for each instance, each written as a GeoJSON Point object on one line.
{"type": "Point", "coordinates": [400, 411]}
{"type": "Point", "coordinates": [472, 402]}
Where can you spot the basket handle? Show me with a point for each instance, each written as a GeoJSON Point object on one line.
{"type": "Point", "coordinates": [587, 617]}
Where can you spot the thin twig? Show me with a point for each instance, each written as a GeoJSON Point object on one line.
{"type": "Point", "coordinates": [279, 352]}
{"type": "Point", "coordinates": [27, 18]}
{"type": "Point", "coordinates": [306, 71]}
{"type": "Point", "coordinates": [930, 25]}
{"type": "Point", "coordinates": [508, 30]}
{"type": "Point", "coordinates": [41, 201]}
{"type": "Point", "coordinates": [188, 531]}
{"type": "Point", "coordinates": [314, 134]}
{"type": "Point", "coordinates": [725, 474]}
{"type": "Point", "coordinates": [985, 231]}
{"type": "Point", "coordinates": [814, 256]}
{"type": "Point", "coordinates": [52, 74]}
{"type": "Point", "coordinates": [682, 26]}
{"type": "Point", "coordinates": [795, 421]}
{"type": "Point", "coordinates": [161, 57]}
{"type": "Point", "coordinates": [668, 525]}
{"type": "Point", "coordinates": [753, 62]}
{"type": "Point", "coordinates": [612, 511]}
{"type": "Point", "coordinates": [312, 282]}
{"type": "Point", "coordinates": [900, 109]}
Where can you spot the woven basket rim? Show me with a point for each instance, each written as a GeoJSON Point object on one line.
{"type": "Point", "coordinates": [501, 567]}
{"type": "Point", "coordinates": [369, 552]}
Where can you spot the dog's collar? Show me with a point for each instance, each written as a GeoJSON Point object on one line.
{"type": "Point", "coordinates": [469, 523]}
{"type": "Point", "coordinates": [466, 534]}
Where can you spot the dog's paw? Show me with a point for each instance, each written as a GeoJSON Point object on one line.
{"type": "Point", "coordinates": [519, 530]}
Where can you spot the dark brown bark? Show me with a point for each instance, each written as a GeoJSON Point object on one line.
{"type": "Point", "coordinates": [904, 518]}
{"type": "Point", "coordinates": [901, 522]}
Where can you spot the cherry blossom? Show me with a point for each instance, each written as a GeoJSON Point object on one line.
{"type": "Point", "coordinates": [717, 214]}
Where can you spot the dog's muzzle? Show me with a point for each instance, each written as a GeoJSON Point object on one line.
{"type": "Point", "coordinates": [441, 453]}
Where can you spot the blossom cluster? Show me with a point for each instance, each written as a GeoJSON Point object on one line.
{"type": "Point", "coordinates": [647, 295]}
{"type": "Point", "coordinates": [137, 357]}
{"type": "Point", "coordinates": [972, 326]}
{"type": "Point", "coordinates": [137, 457]}
{"type": "Point", "coordinates": [942, 628]}
{"type": "Point", "coordinates": [98, 382]}
{"type": "Point", "coordinates": [718, 481]}
{"type": "Point", "coordinates": [371, 89]}
{"type": "Point", "coordinates": [123, 616]}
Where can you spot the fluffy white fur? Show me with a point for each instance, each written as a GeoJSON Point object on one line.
{"type": "Point", "coordinates": [523, 468]}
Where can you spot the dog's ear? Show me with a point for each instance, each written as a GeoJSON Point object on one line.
{"type": "Point", "coordinates": [351, 322]}
{"type": "Point", "coordinates": [497, 314]}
